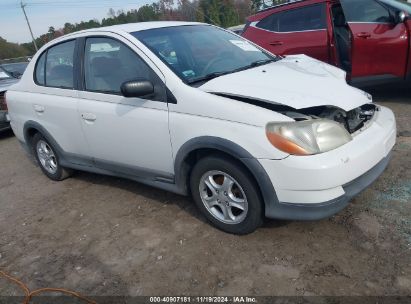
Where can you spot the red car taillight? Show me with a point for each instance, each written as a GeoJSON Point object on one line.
{"type": "Point", "coordinates": [3, 103]}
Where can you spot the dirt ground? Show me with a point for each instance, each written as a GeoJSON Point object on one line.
{"type": "Point", "coordinates": [100, 235]}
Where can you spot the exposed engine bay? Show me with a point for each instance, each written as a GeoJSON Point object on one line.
{"type": "Point", "coordinates": [352, 120]}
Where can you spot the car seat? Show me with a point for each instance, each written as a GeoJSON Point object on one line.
{"type": "Point", "coordinates": [60, 76]}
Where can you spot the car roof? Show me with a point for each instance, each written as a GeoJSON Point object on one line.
{"type": "Point", "coordinates": [138, 26]}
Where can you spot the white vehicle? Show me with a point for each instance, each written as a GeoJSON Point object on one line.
{"type": "Point", "coordinates": [192, 108]}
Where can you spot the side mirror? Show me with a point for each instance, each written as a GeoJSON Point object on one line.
{"type": "Point", "coordinates": [137, 88]}
{"type": "Point", "coordinates": [402, 16]}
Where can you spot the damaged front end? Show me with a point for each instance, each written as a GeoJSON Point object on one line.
{"type": "Point", "coordinates": [352, 120]}
{"type": "Point", "coordinates": [314, 130]}
{"type": "Point", "coordinates": [319, 129]}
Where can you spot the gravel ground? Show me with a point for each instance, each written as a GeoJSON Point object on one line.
{"type": "Point", "coordinates": [100, 235]}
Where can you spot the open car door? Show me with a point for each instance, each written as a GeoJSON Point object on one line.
{"type": "Point", "coordinates": [380, 41]}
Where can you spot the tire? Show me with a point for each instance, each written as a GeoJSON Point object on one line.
{"type": "Point", "coordinates": [48, 160]}
{"type": "Point", "coordinates": [226, 194]}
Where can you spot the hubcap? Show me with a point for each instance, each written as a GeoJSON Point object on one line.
{"type": "Point", "coordinates": [46, 156]}
{"type": "Point", "coordinates": [223, 197]}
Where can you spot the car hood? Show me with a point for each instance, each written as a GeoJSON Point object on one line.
{"type": "Point", "coordinates": [296, 81]}
{"type": "Point", "coordinates": [6, 83]}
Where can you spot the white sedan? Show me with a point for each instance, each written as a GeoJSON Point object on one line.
{"type": "Point", "coordinates": [195, 109]}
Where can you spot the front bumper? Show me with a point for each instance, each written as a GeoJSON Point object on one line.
{"type": "Point", "coordinates": [317, 186]}
{"type": "Point", "coordinates": [290, 211]}
{"type": "Point", "coordinates": [4, 121]}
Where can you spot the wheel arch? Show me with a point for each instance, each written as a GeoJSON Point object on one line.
{"type": "Point", "coordinates": [199, 147]}
{"type": "Point", "coordinates": [32, 127]}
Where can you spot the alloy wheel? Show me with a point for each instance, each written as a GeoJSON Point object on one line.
{"type": "Point", "coordinates": [223, 197]}
{"type": "Point", "coordinates": [46, 157]}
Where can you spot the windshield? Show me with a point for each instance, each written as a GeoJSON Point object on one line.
{"type": "Point", "coordinates": [202, 52]}
{"type": "Point", "coordinates": [398, 4]}
{"type": "Point", "coordinates": [4, 74]}
{"type": "Point", "coordinates": [15, 69]}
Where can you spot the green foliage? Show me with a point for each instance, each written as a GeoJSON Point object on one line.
{"type": "Point", "coordinates": [219, 12]}
{"type": "Point", "coordinates": [12, 50]}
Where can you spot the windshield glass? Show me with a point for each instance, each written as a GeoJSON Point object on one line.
{"type": "Point", "coordinates": [398, 4]}
{"type": "Point", "coordinates": [15, 69]}
{"type": "Point", "coordinates": [202, 52]}
{"type": "Point", "coordinates": [4, 74]}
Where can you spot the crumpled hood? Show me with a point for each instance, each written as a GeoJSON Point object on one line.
{"type": "Point", "coordinates": [296, 81]}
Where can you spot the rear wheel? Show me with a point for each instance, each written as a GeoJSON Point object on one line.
{"type": "Point", "coordinates": [226, 195]}
{"type": "Point", "coordinates": [48, 159]}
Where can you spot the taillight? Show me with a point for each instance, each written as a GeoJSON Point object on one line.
{"type": "Point", "coordinates": [3, 103]}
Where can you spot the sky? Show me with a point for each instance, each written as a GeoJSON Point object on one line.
{"type": "Point", "coordinates": [45, 13]}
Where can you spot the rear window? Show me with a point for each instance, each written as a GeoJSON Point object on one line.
{"type": "Point", "coordinates": [300, 19]}
{"type": "Point", "coordinates": [55, 66]}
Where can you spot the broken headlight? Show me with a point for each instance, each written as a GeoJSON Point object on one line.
{"type": "Point", "coordinates": [307, 137]}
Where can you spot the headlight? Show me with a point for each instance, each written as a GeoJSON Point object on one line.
{"type": "Point", "coordinates": [307, 137]}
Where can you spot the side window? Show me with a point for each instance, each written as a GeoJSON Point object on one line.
{"type": "Point", "coordinates": [308, 18]}
{"type": "Point", "coordinates": [59, 65]}
{"type": "Point", "coordinates": [40, 75]}
{"type": "Point", "coordinates": [109, 63]}
{"type": "Point", "coordinates": [270, 23]}
{"type": "Point", "coordinates": [365, 11]}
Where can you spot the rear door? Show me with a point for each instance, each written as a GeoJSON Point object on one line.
{"type": "Point", "coordinates": [53, 101]}
{"type": "Point", "coordinates": [300, 30]}
{"type": "Point", "coordinates": [380, 44]}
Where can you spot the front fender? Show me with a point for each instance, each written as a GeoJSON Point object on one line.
{"type": "Point", "coordinates": [217, 144]}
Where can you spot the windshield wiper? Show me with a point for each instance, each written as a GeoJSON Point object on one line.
{"type": "Point", "coordinates": [209, 76]}
{"type": "Point", "coordinates": [259, 62]}
{"type": "Point", "coordinates": [218, 74]}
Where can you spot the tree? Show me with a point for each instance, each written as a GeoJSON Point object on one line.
{"type": "Point", "coordinates": [12, 50]}
{"type": "Point", "coordinates": [147, 13]}
{"type": "Point", "coordinates": [68, 28]}
{"type": "Point", "coordinates": [188, 10]}
{"type": "Point", "coordinates": [219, 12]}
{"type": "Point", "coordinates": [111, 13]}
{"type": "Point", "coordinates": [209, 11]}
{"type": "Point", "coordinates": [244, 9]}
{"type": "Point", "coordinates": [166, 9]}
{"type": "Point", "coordinates": [51, 33]}
{"type": "Point", "coordinates": [229, 16]}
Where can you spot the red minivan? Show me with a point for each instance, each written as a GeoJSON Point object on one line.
{"type": "Point", "coordinates": [370, 39]}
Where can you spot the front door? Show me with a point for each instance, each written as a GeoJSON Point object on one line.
{"type": "Point", "coordinates": [125, 135]}
{"type": "Point", "coordinates": [380, 43]}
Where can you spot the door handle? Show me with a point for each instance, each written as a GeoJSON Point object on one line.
{"type": "Point", "coordinates": [276, 43]}
{"type": "Point", "coordinates": [89, 117]}
{"type": "Point", "coordinates": [38, 108]}
{"type": "Point", "coordinates": [364, 35]}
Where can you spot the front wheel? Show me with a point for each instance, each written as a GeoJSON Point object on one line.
{"type": "Point", "coordinates": [226, 194]}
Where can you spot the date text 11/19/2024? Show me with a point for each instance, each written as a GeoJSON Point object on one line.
{"type": "Point", "coordinates": [203, 299]}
